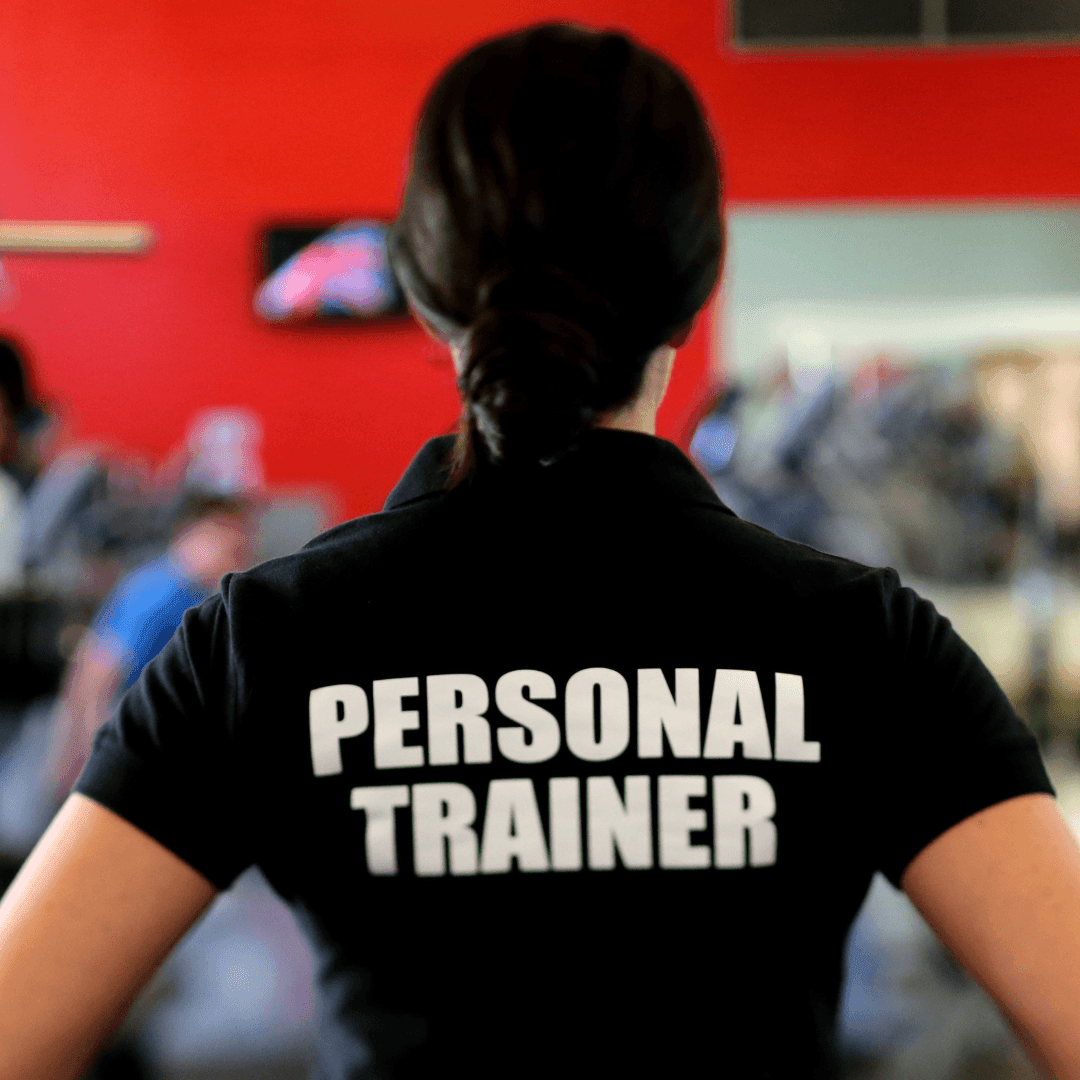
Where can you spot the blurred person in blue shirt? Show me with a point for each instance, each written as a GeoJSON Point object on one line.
{"type": "Point", "coordinates": [213, 536]}
{"type": "Point", "coordinates": [144, 610]}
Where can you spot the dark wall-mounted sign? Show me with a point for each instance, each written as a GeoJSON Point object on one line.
{"type": "Point", "coordinates": [327, 272]}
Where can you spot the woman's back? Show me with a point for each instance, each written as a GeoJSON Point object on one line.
{"type": "Point", "coordinates": [554, 820]}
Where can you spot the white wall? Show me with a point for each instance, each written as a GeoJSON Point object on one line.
{"type": "Point", "coordinates": [942, 281]}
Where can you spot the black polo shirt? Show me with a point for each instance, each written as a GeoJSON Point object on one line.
{"type": "Point", "coordinates": [567, 771]}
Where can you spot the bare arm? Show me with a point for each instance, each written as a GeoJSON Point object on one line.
{"type": "Point", "coordinates": [1002, 891]}
{"type": "Point", "coordinates": [94, 911]}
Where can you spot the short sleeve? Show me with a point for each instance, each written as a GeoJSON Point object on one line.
{"type": "Point", "coordinates": [166, 759]}
{"type": "Point", "coordinates": [949, 742]}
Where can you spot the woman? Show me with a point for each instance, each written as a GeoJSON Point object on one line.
{"type": "Point", "coordinates": [535, 812]}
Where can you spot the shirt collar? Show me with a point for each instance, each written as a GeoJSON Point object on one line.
{"type": "Point", "coordinates": [605, 459]}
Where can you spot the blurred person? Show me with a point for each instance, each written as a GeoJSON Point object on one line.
{"type": "Point", "coordinates": [537, 814]}
{"type": "Point", "coordinates": [220, 477]}
{"type": "Point", "coordinates": [20, 417]}
{"type": "Point", "coordinates": [55, 513]}
{"type": "Point", "coordinates": [30, 664]}
{"type": "Point", "coordinates": [214, 537]}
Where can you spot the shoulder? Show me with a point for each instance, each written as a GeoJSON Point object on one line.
{"type": "Point", "coordinates": [763, 560]}
{"type": "Point", "coordinates": [366, 549]}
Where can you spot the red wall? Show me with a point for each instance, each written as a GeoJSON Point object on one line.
{"type": "Point", "coordinates": [209, 119]}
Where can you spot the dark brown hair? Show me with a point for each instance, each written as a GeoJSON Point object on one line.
{"type": "Point", "coordinates": [561, 220]}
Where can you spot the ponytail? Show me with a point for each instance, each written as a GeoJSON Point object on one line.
{"type": "Point", "coordinates": [541, 360]}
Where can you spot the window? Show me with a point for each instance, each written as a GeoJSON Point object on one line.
{"type": "Point", "coordinates": [855, 22]}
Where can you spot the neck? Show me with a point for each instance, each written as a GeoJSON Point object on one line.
{"type": "Point", "coordinates": [639, 413]}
